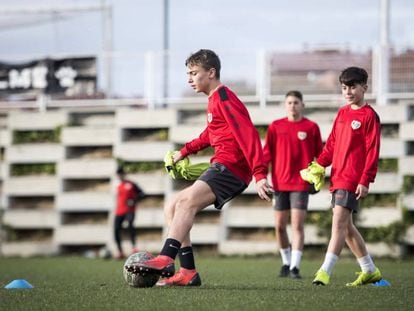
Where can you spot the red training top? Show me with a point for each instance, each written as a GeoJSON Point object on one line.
{"type": "Point", "coordinates": [125, 191]}
{"type": "Point", "coordinates": [290, 146]}
{"type": "Point", "coordinates": [233, 136]}
{"type": "Point", "coordinates": [353, 148]}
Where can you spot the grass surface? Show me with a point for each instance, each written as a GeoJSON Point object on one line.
{"type": "Point", "coordinates": [228, 284]}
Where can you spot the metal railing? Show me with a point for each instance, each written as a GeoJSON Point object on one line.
{"type": "Point", "coordinates": [257, 76]}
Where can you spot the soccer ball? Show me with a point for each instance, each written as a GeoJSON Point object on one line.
{"type": "Point", "coordinates": [139, 280]}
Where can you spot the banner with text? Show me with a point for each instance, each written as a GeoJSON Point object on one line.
{"type": "Point", "coordinates": [66, 77]}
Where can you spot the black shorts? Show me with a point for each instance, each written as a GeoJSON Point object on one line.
{"type": "Point", "coordinates": [346, 199]}
{"type": "Point", "coordinates": [223, 183]}
{"type": "Point", "coordinates": [285, 200]}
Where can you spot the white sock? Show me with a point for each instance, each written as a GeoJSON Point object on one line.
{"type": "Point", "coordinates": [285, 253]}
{"type": "Point", "coordinates": [296, 258]}
{"type": "Point", "coordinates": [366, 264]}
{"type": "Point", "coordinates": [328, 264]}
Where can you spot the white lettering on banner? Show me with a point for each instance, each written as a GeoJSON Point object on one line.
{"type": "Point", "coordinates": [42, 75]}
{"type": "Point", "coordinates": [66, 76]}
{"type": "Point", "coordinates": [35, 77]}
{"type": "Point", "coordinates": [20, 80]}
{"type": "Point", "coordinates": [39, 77]}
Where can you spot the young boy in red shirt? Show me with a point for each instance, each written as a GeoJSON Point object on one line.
{"type": "Point", "coordinates": [237, 158]}
{"type": "Point", "coordinates": [352, 149]}
{"type": "Point", "coordinates": [291, 144]}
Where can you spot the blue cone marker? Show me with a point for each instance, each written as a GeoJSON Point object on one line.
{"type": "Point", "coordinates": [19, 284]}
{"type": "Point", "coordinates": [382, 282]}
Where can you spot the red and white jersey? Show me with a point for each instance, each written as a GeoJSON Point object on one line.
{"type": "Point", "coordinates": [353, 148]}
{"type": "Point", "coordinates": [233, 136]}
{"type": "Point", "coordinates": [289, 147]}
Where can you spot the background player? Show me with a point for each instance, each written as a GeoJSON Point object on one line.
{"type": "Point", "coordinates": [128, 194]}
{"type": "Point", "coordinates": [291, 144]}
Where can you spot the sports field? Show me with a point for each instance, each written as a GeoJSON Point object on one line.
{"type": "Point", "coordinates": [74, 283]}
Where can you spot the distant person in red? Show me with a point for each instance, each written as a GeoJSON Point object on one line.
{"type": "Point", "coordinates": [291, 144]}
{"type": "Point", "coordinates": [128, 194]}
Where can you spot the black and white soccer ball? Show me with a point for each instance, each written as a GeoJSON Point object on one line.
{"type": "Point", "coordinates": [139, 280]}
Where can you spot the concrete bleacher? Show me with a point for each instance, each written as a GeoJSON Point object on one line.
{"type": "Point", "coordinates": [83, 185]}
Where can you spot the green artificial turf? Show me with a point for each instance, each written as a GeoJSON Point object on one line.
{"type": "Point", "coordinates": [73, 283]}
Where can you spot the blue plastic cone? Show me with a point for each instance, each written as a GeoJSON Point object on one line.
{"type": "Point", "coordinates": [382, 282]}
{"type": "Point", "coordinates": [18, 284]}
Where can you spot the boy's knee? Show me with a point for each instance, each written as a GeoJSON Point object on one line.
{"type": "Point", "coordinates": [297, 227]}
{"type": "Point", "coordinates": [187, 203]}
{"type": "Point", "coordinates": [169, 208]}
{"type": "Point", "coordinates": [280, 229]}
{"type": "Point", "coordinates": [183, 204]}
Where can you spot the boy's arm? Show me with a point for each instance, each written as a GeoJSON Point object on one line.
{"type": "Point", "coordinates": [135, 195]}
{"type": "Point", "coordinates": [246, 136]}
{"type": "Point", "coordinates": [268, 149]}
{"type": "Point", "coordinates": [325, 158]}
{"type": "Point", "coordinates": [197, 144]}
{"type": "Point", "coordinates": [140, 193]}
{"type": "Point", "coordinates": [372, 143]}
{"type": "Point", "coordinates": [317, 141]}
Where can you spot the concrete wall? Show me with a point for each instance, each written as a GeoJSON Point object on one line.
{"type": "Point", "coordinates": [85, 184]}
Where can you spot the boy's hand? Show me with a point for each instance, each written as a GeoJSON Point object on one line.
{"type": "Point", "coordinates": [361, 191]}
{"type": "Point", "coordinates": [131, 203]}
{"type": "Point", "coordinates": [264, 189]}
{"type": "Point", "coordinates": [314, 174]}
{"type": "Point", "coordinates": [177, 156]}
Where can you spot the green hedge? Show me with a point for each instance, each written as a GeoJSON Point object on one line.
{"type": "Point", "coordinates": [39, 136]}
{"type": "Point", "coordinates": [388, 165]}
{"type": "Point", "coordinates": [262, 129]}
{"type": "Point", "coordinates": [408, 184]}
{"type": "Point", "coordinates": [33, 169]}
{"type": "Point", "coordinates": [380, 199]}
{"type": "Point", "coordinates": [140, 167]}
{"type": "Point", "coordinates": [323, 220]}
{"type": "Point", "coordinates": [393, 233]}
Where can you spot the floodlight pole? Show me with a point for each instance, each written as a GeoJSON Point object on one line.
{"type": "Point", "coordinates": [262, 77]}
{"type": "Point", "coordinates": [107, 45]}
{"type": "Point", "coordinates": [166, 49]}
{"type": "Point", "coordinates": [383, 54]}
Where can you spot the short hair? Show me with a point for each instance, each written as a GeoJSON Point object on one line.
{"type": "Point", "coordinates": [120, 171]}
{"type": "Point", "coordinates": [295, 94]}
{"type": "Point", "coordinates": [353, 75]}
{"type": "Point", "coordinates": [206, 59]}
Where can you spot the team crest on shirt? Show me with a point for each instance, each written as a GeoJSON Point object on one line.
{"type": "Point", "coordinates": [355, 124]}
{"type": "Point", "coordinates": [209, 117]}
{"type": "Point", "coordinates": [302, 135]}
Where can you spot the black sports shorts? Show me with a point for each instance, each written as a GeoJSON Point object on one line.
{"type": "Point", "coordinates": [223, 183]}
{"type": "Point", "coordinates": [285, 200]}
{"type": "Point", "coordinates": [346, 199]}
